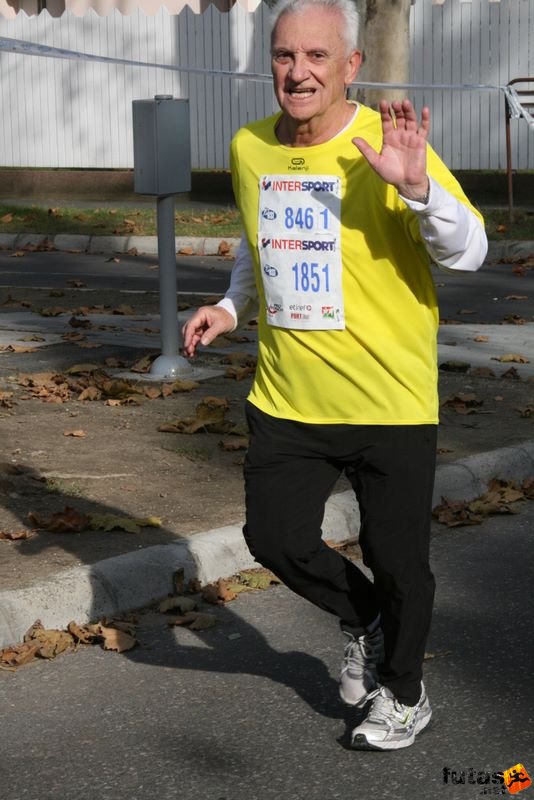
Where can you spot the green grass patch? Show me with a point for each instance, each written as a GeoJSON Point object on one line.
{"type": "Point", "coordinates": [215, 222]}
{"type": "Point", "coordinates": [58, 486]}
{"type": "Point", "coordinates": [498, 226]}
{"type": "Point", "coordinates": [218, 222]}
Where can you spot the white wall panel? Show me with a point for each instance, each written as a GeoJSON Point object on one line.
{"type": "Point", "coordinates": [57, 113]}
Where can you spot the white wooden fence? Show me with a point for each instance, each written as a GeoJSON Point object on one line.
{"type": "Point", "coordinates": [56, 113]}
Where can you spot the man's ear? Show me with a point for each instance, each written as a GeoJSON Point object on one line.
{"type": "Point", "coordinates": [352, 66]}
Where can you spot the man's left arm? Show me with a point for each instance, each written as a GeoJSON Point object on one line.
{"type": "Point", "coordinates": [453, 235]}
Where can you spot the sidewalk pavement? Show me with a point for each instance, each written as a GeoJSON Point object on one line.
{"type": "Point", "coordinates": [138, 578]}
{"type": "Point", "coordinates": [201, 246]}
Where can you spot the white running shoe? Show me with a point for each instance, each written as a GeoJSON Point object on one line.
{"type": "Point", "coordinates": [358, 671]}
{"type": "Point", "coordinates": [389, 724]}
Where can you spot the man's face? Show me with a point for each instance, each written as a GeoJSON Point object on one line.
{"type": "Point", "coordinates": [310, 64]}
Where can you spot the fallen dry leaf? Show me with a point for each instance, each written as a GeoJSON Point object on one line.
{"type": "Point", "coordinates": [210, 594]}
{"type": "Point", "coordinates": [143, 364]}
{"type": "Point", "coordinates": [77, 434]}
{"type": "Point", "coordinates": [195, 620]}
{"type": "Point", "coordinates": [6, 218]}
{"type": "Point", "coordinates": [52, 311]}
{"type": "Point", "coordinates": [210, 416]}
{"type": "Point", "coordinates": [512, 374]}
{"type": "Point", "coordinates": [440, 654]}
{"type": "Point", "coordinates": [84, 634]}
{"type": "Point", "coordinates": [75, 322]}
{"type": "Point", "coordinates": [18, 655]}
{"type": "Point", "coordinates": [258, 579]}
{"type": "Point", "coordinates": [454, 366]}
{"type": "Point", "coordinates": [15, 536]}
{"type": "Point", "coordinates": [124, 310]}
{"type": "Point", "coordinates": [233, 443]}
{"type": "Point", "coordinates": [511, 357]}
{"type": "Point", "coordinates": [498, 499]}
{"type": "Point", "coordinates": [115, 363]}
{"type": "Point", "coordinates": [453, 513]}
{"type": "Point", "coordinates": [180, 385]}
{"type": "Point", "coordinates": [239, 373]}
{"type": "Point", "coordinates": [18, 348]}
{"type": "Point", "coordinates": [180, 602]}
{"type": "Point", "coordinates": [6, 400]}
{"type": "Point", "coordinates": [32, 338]}
{"type": "Point", "coordinates": [117, 640]}
{"type": "Point", "coordinates": [67, 521]}
{"type": "Point", "coordinates": [526, 411]}
{"type": "Point", "coordinates": [51, 642]}
{"type": "Point", "coordinates": [90, 393]}
{"type": "Point", "coordinates": [481, 339]}
{"type": "Point", "coordinates": [110, 522]}
{"type": "Point", "coordinates": [463, 403]}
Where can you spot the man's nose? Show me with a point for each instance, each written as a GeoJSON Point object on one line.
{"type": "Point", "coordinates": [299, 68]}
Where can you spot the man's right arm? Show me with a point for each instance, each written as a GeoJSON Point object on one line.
{"type": "Point", "coordinates": [241, 299]}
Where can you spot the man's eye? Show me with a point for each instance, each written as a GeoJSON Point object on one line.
{"type": "Point", "coordinates": [282, 58]}
{"type": "Point", "coordinates": [317, 57]}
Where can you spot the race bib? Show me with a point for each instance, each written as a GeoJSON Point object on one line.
{"type": "Point", "coordinates": [299, 243]}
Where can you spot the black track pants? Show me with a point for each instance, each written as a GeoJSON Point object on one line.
{"type": "Point", "coordinates": [290, 470]}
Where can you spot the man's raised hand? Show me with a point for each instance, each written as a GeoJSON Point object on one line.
{"type": "Point", "coordinates": [402, 160]}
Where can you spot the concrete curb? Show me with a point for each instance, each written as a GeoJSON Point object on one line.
{"type": "Point", "coordinates": [136, 579]}
{"type": "Point", "coordinates": [137, 245]}
{"type": "Point", "coordinates": [185, 245]}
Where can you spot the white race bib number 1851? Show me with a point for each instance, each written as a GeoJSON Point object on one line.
{"type": "Point", "coordinates": [299, 242]}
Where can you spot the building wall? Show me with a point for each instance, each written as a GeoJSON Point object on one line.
{"type": "Point", "coordinates": [73, 113]}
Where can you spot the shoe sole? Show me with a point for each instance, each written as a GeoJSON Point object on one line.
{"type": "Point", "coordinates": [360, 741]}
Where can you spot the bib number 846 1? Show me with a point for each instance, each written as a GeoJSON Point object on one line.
{"type": "Point", "coordinates": [310, 277]}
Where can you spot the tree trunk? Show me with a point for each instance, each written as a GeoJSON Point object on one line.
{"type": "Point", "coordinates": [385, 41]}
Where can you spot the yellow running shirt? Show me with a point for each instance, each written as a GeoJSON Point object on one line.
{"type": "Point", "coordinates": [348, 313]}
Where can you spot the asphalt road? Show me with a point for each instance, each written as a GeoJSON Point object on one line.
{"type": "Point", "coordinates": [487, 296]}
{"type": "Point", "coordinates": [100, 271]}
{"type": "Point", "coordinates": [249, 710]}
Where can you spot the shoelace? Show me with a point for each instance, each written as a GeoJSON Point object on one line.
{"type": "Point", "coordinates": [362, 650]}
{"type": "Point", "coordinates": [384, 707]}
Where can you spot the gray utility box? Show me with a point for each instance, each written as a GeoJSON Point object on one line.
{"type": "Point", "coordinates": [162, 146]}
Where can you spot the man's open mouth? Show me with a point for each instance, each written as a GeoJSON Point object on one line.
{"type": "Point", "coordinates": [303, 93]}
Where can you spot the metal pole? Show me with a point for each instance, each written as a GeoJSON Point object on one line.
{"type": "Point", "coordinates": [169, 364]}
{"type": "Point", "coordinates": [509, 161]}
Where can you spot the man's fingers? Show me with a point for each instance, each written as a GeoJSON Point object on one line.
{"type": "Point", "coordinates": [204, 326]}
{"type": "Point", "coordinates": [366, 150]}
